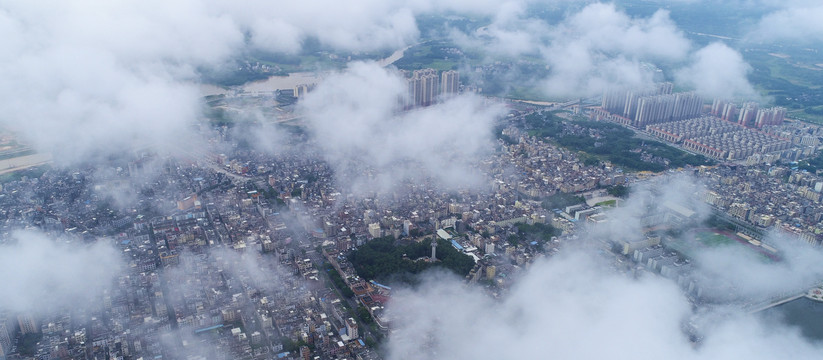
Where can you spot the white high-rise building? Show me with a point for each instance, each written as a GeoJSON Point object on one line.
{"type": "Point", "coordinates": [406, 227]}
{"type": "Point", "coordinates": [423, 87]}
{"type": "Point", "coordinates": [351, 328]}
{"type": "Point", "coordinates": [6, 331]}
{"type": "Point", "coordinates": [28, 325]}
{"type": "Point", "coordinates": [729, 112]}
{"type": "Point", "coordinates": [664, 108]}
{"type": "Point", "coordinates": [770, 116]}
{"type": "Point", "coordinates": [449, 82]}
{"type": "Point", "coordinates": [374, 230]}
{"type": "Point", "coordinates": [748, 114]}
{"type": "Point", "coordinates": [625, 102]}
{"type": "Point", "coordinates": [489, 248]}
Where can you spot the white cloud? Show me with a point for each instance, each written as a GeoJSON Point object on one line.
{"type": "Point", "coordinates": [574, 306]}
{"type": "Point", "coordinates": [89, 78]}
{"type": "Point", "coordinates": [43, 274]}
{"type": "Point", "coordinates": [355, 118]}
{"type": "Point", "coordinates": [600, 47]}
{"type": "Point", "coordinates": [717, 71]}
{"type": "Point", "coordinates": [594, 48]}
{"type": "Point", "coordinates": [558, 309]}
{"type": "Point", "coordinates": [800, 24]}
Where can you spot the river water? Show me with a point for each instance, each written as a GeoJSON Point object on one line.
{"type": "Point", "coordinates": [288, 82]}
{"type": "Point", "coordinates": [23, 162]}
{"type": "Point", "coordinates": [803, 313]}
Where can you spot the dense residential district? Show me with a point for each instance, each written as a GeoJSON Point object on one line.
{"type": "Point", "coordinates": [240, 254]}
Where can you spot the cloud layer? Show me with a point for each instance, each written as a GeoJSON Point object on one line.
{"type": "Point", "coordinates": [575, 305]}
{"type": "Point", "coordinates": [799, 24]}
{"type": "Point", "coordinates": [600, 46]}
{"type": "Point", "coordinates": [90, 78]}
{"type": "Point", "coordinates": [43, 274]}
{"type": "Point", "coordinates": [571, 307]}
{"type": "Point", "coordinates": [356, 118]}
{"type": "Point", "coordinates": [717, 71]}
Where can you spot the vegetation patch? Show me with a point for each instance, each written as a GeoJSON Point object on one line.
{"type": "Point", "coordinates": [609, 142]}
{"type": "Point", "coordinates": [383, 258]}
{"type": "Point", "coordinates": [541, 233]}
{"type": "Point", "coordinates": [607, 203]}
{"type": "Point", "coordinates": [812, 165]}
{"type": "Point", "coordinates": [561, 200]}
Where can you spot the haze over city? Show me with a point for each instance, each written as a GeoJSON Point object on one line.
{"type": "Point", "coordinates": [411, 179]}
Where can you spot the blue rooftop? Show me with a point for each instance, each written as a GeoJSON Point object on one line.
{"type": "Point", "coordinates": [456, 245]}
{"type": "Point", "coordinates": [375, 283]}
{"type": "Point", "coordinates": [208, 328]}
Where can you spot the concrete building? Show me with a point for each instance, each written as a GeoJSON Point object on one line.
{"type": "Point", "coordinates": [664, 108]}
{"type": "Point", "coordinates": [374, 230]}
{"type": "Point", "coordinates": [770, 116]}
{"type": "Point", "coordinates": [351, 328]}
{"type": "Point", "coordinates": [6, 332]}
{"type": "Point", "coordinates": [718, 139]}
{"type": "Point", "coordinates": [423, 87]}
{"type": "Point", "coordinates": [747, 115]}
{"type": "Point", "coordinates": [489, 248]}
{"type": "Point", "coordinates": [491, 271]}
{"type": "Point", "coordinates": [449, 82]}
{"type": "Point", "coordinates": [28, 325]}
{"type": "Point", "coordinates": [729, 112]}
{"type": "Point", "coordinates": [717, 107]}
{"type": "Point", "coordinates": [630, 246]}
{"type": "Point", "coordinates": [624, 102]}
{"type": "Point", "coordinates": [303, 89]}
{"type": "Point", "coordinates": [406, 227]}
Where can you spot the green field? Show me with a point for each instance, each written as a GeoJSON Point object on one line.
{"type": "Point", "coordinates": [713, 239]}
{"type": "Point", "coordinates": [692, 242]}
{"type": "Point", "coordinates": [609, 142]}
{"type": "Point", "coordinates": [789, 77]}
{"type": "Point", "coordinates": [704, 239]}
{"type": "Point", "coordinates": [607, 203]}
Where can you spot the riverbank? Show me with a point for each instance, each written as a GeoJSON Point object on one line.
{"type": "Point", "coordinates": [23, 162]}
{"type": "Point", "coordinates": [289, 81]}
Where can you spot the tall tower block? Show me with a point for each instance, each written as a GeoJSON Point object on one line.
{"type": "Point", "coordinates": [434, 249]}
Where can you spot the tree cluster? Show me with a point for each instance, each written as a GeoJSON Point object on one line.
{"type": "Point", "coordinates": [560, 200]}
{"type": "Point", "coordinates": [383, 259]}
{"type": "Point", "coordinates": [527, 233]}
{"type": "Point", "coordinates": [612, 142]}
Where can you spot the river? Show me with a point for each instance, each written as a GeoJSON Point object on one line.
{"type": "Point", "coordinates": [290, 81]}
{"type": "Point", "coordinates": [397, 55]}
{"type": "Point", "coordinates": [803, 313]}
{"type": "Point", "coordinates": [23, 162]}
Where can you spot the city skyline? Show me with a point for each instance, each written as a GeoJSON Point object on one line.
{"type": "Point", "coordinates": [411, 179]}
